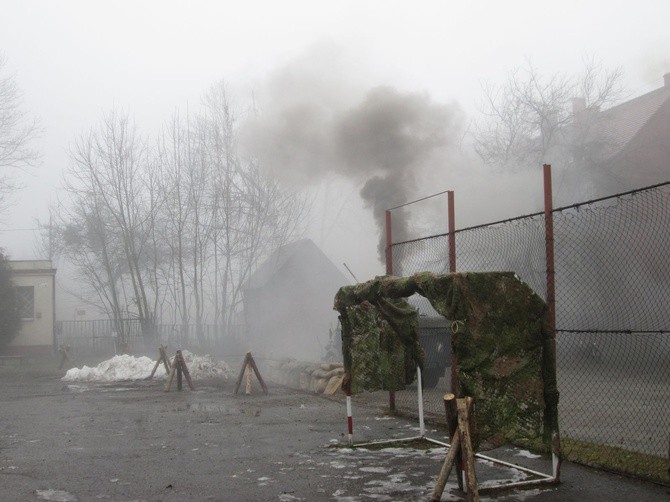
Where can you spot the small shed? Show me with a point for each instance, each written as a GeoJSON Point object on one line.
{"type": "Point", "coordinates": [288, 302]}
{"type": "Point", "coordinates": [36, 293]}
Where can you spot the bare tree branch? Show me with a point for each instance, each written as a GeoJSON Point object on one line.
{"type": "Point", "coordinates": [17, 132]}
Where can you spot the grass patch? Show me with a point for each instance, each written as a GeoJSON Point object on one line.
{"type": "Point", "coordinates": [612, 458]}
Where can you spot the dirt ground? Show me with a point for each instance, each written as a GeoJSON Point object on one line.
{"type": "Point", "coordinates": [131, 441]}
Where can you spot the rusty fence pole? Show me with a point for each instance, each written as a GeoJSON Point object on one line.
{"type": "Point", "coordinates": [389, 271]}
{"type": "Point", "coordinates": [549, 244]}
{"type": "Point", "coordinates": [452, 270]}
{"type": "Point", "coordinates": [452, 231]}
{"type": "Point", "coordinates": [550, 348]}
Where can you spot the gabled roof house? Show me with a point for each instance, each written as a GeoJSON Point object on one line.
{"type": "Point", "coordinates": [288, 302]}
{"type": "Point", "coordinates": [633, 141]}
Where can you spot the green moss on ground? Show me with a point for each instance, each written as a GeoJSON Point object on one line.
{"type": "Point", "coordinates": [615, 459]}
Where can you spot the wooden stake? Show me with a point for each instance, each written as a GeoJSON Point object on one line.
{"type": "Point", "coordinates": [249, 374]}
{"type": "Point", "coordinates": [179, 368]}
{"type": "Point", "coordinates": [464, 405]}
{"type": "Point", "coordinates": [249, 360]}
{"type": "Point", "coordinates": [452, 426]}
{"type": "Point", "coordinates": [184, 368]}
{"type": "Point", "coordinates": [162, 358]}
{"type": "Point", "coordinates": [173, 370]}
{"type": "Point", "coordinates": [461, 446]}
{"type": "Point", "coordinates": [452, 455]}
{"type": "Point", "coordinates": [65, 352]}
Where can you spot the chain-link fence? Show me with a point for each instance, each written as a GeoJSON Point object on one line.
{"type": "Point", "coordinates": [612, 278]}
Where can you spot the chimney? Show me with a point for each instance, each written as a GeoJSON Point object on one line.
{"type": "Point", "coordinates": [666, 79]}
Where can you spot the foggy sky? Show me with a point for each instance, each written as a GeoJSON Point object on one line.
{"type": "Point", "coordinates": [75, 60]}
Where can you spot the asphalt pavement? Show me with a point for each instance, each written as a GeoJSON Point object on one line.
{"type": "Point", "coordinates": [131, 441]}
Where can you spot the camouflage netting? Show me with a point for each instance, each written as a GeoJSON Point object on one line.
{"type": "Point", "coordinates": [381, 346]}
{"type": "Point", "coordinates": [504, 350]}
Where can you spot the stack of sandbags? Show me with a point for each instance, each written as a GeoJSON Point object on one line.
{"type": "Point", "coordinates": [321, 378]}
{"type": "Point", "coordinates": [324, 378]}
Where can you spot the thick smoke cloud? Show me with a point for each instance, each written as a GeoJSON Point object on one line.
{"type": "Point", "coordinates": [380, 138]}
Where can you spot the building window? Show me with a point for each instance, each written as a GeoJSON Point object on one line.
{"type": "Point", "coordinates": [25, 297]}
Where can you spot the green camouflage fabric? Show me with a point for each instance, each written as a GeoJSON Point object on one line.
{"type": "Point", "coordinates": [504, 350]}
{"type": "Point", "coordinates": [380, 338]}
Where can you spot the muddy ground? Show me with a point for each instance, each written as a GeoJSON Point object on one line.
{"type": "Point", "coordinates": [131, 441]}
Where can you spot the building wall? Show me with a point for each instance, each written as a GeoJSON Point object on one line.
{"type": "Point", "coordinates": [37, 330]}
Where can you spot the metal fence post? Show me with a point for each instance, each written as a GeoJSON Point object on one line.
{"type": "Point", "coordinates": [549, 244]}
{"type": "Point", "coordinates": [389, 271]}
{"type": "Point", "coordinates": [452, 230]}
{"type": "Point", "coordinates": [551, 390]}
{"type": "Point", "coordinates": [452, 269]}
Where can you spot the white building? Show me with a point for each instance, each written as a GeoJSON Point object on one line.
{"type": "Point", "coordinates": [36, 293]}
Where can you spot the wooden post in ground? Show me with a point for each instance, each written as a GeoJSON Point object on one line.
{"type": "Point", "coordinates": [464, 406]}
{"type": "Point", "coordinates": [451, 414]}
{"type": "Point", "coordinates": [249, 371]}
{"type": "Point", "coordinates": [64, 351]}
{"type": "Point", "coordinates": [249, 361]}
{"type": "Point", "coordinates": [162, 358]}
{"type": "Point", "coordinates": [171, 374]}
{"type": "Point", "coordinates": [461, 445]}
{"type": "Point", "coordinates": [179, 368]}
{"type": "Point", "coordinates": [452, 455]}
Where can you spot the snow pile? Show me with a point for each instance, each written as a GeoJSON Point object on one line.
{"type": "Point", "coordinates": [127, 367]}
{"type": "Point", "coordinates": [117, 368]}
{"type": "Point", "coordinates": [201, 367]}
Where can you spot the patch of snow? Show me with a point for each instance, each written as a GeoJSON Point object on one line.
{"type": "Point", "coordinates": [379, 470]}
{"type": "Point", "coordinates": [527, 454]}
{"type": "Point", "coordinates": [55, 496]}
{"type": "Point", "coordinates": [123, 367]}
{"type": "Point", "coordinates": [126, 367]}
{"type": "Point", "coordinates": [285, 497]}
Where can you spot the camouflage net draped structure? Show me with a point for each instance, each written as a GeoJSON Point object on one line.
{"type": "Point", "coordinates": [504, 350]}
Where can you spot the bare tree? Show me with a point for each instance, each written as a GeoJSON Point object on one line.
{"type": "Point", "coordinates": [186, 216]}
{"type": "Point", "coordinates": [17, 131]}
{"type": "Point", "coordinates": [178, 228]}
{"type": "Point", "coordinates": [253, 214]}
{"type": "Point", "coordinates": [530, 117]}
{"type": "Point", "coordinates": [108, 168]}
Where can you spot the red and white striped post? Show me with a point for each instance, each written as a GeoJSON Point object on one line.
{"type": "Point", "coordinates": [350, 419]}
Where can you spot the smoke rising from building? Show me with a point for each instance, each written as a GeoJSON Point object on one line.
{"type": "Point", "coordinates": [378, 137]}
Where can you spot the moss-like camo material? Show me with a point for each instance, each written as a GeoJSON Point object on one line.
{"type": "Point", "coordinates": [500, 337]}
